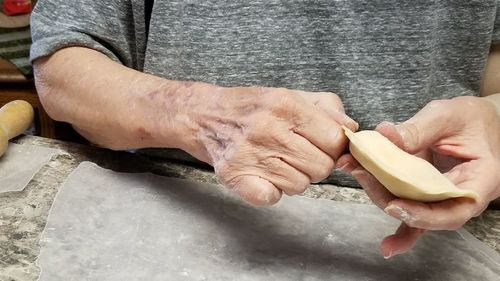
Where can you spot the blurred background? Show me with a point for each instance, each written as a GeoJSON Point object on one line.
{"type": "Point", "coordinates": [16, 73]}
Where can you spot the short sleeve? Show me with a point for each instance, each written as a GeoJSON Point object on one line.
{"type": "Point", "coordinates": [106, 26]}
{"type": "Point", "coordinates": [495, 38]}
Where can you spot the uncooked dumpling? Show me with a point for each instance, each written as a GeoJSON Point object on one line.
{"type": "Point", "coordinates": [404, 175]}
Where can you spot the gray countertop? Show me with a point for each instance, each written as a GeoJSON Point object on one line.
{"type": "Point", "coordinates": [23, 214]}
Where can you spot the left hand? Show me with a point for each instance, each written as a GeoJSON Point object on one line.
{"type": "Point", "coordinates": [460, 137]}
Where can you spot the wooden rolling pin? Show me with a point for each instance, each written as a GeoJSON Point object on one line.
{"type": "Point", "coordinates": [15, 118]}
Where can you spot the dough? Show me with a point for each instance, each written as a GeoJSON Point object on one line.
{"type": "Point", "coordinates": [404, 175]}
{"type": "Point", "coordinates": [110, 226]}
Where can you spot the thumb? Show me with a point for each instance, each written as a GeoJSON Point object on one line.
{"type": "Point", "coordinates": [255, 190]}
{"type": "Point", "coordinates": [426, 128]}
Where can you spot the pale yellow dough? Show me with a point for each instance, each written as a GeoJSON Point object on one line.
{"type": "Point", "coordinates": [404, 175]}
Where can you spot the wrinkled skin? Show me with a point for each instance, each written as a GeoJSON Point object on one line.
{"type": "Point", "coordinates": [261, 141]}
{"type": "Point", "coordinates": [265, 141]}
{"type": "Point", "coordinates": [461, 137]}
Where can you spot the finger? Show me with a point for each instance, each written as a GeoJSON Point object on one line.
{"type": "Point", "coordinates": [405, 237]}
{"type": "Point", "coordinates": [450, 214]}
{"type": "Point", "coordinates": [427, 127]}
{"type": "Point", "coordinates": [322, 131]}
{"type": "Point", "coordinates": [323, 98]}
{"type": "Point", "coordinates": [389, 130]}
{"type": "Point", "coordinates": [306, 120]}
{"type": "Point", "coordinates": [480, 176]}
{"type": "Point", "coordinates": [400, 242]}
{"type": "Point", "coordinates": [299, 153]}
{"type": "Point", "coordinates": [332, 105]}
{"type": "Point", "coordinates": [255, 190]}
{"type": "Point", "coordinates": [283, 176]}
{"type": "Point", "coordinates": [346, 163]}
{"type": "Point", "coordinates": [374, 189]}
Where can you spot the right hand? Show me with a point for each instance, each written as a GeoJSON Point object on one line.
{"type": "Point", "coordinates": [264, 141]}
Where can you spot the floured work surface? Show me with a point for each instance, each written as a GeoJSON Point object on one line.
{"type": "Point", "coordinates": [20, 163]}
{"type": "Point", "coordinates": [113, 226]}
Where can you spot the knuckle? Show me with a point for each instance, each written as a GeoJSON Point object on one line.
{"type": "Point", "coordinates": [325, 170]}
{"type": "Point", "coordinates": [267, 134]}
{"type": "Point", "coordinates": [225, 175]}
{"type": "Point", "coordinates": [261, 129]}
{"type": "Point", "coordinates": [468, 99]}
{"type": "Point", "coordinates": [322, 170]}
{"type": "Point", "coordinates": [302, 184]}
{"type": "Point", "coordinates": [283, 103]}
{"type": "Point", "coordinates": [335, 100]}
{"type": "Point", "coordinates": [298, 186]}
{"type": "Point", "coordinates": [251, 194]}
{"type": "Point", "coordinates": [233, 183]}
{"type": "Point", "coordinates": [436, 103]}
{"type": "Point", "coordinates": [410, 134]}
{"type": "Point", "coordinates": [440, 105]}
{"type": "Point", "coordinates": [229, 174]}
{"type": "Point", "coordinates": [273, 164]}
{"type": "Point", "coordinates": [283, 140]}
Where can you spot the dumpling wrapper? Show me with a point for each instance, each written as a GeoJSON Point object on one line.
{"type": "Point", "coordinates": [403, 174]}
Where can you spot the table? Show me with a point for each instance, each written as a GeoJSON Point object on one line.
{"type": "Point", "coordinates": [23, 215]}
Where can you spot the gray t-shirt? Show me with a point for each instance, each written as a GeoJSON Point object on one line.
{"type": "Point", "coordinates": [386, 59]}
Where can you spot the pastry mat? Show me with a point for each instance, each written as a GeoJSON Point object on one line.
{"type": "Point", "coordinates": [117, 226]}
{"type": "Point", "coordinates": [20, 163]}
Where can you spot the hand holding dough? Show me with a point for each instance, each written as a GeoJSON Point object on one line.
{"type": "Point", "coordinates": [15, 118]}
{"type": "Point", "coordinates": [403, 174]}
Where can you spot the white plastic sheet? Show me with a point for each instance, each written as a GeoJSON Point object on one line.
{"type": "Point", "coordinates": [20, 163]}
{"type": "Point", "coordinates": [113, 226]}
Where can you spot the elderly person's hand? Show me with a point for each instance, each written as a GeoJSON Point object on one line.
{"type": "Point", "coordinates": [461, 137]}
{"type": "Point", "coordinates": [264, 141]}
{"type": "Point", "coordinates": [261, 141]}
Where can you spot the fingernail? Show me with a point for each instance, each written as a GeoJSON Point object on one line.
{"type": "Point", "coordinates": [402, 132]}
{"type": "Point", "coordinates": [358, 173]}
{"type": "Point", "coordinates": [361, 176]}
{"type": "Point", "coordinates": [349, 122]}
{"type": "Point", "coordinates": [399, 129]}
{"type": "Point", "coordinates": [398, 212]}
{"type": "Point", "coordinates": [388, 256]}
{"type": "Point", "coordinates": [346, 168]}
{"type": "Point", "coordinates": [392, 254]}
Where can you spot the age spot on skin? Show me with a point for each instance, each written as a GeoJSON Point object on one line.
{"type": "Point", "coordinates": [143, 134]}
{"type": "Point", "coordinates": [152, 95]}
{"type": "Point", "coordinates": [187, 84]}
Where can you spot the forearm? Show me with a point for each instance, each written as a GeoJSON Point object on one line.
{"type": "Point", "coordinates": [490, 88]}
{"type": "Point", "coordinates": [109, 104]}
{"type": "Point", "coordinates": [491, 77]}
{"type": "Point", "coordinates": [495, 100]}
